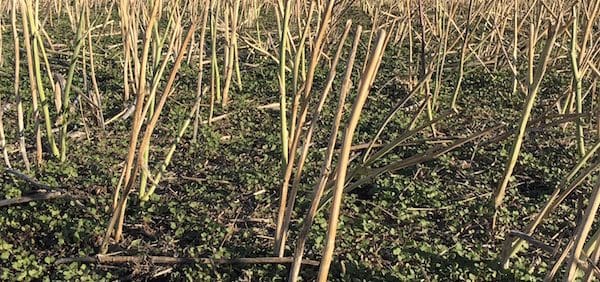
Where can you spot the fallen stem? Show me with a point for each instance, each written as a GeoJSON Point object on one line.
{"type": "Point", "coordinates": [106, 259]}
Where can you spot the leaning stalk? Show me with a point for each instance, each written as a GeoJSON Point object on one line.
{"type": "Point", "coordinates": [533, 89]}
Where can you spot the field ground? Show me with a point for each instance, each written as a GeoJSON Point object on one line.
{"type": "Point", "coordinates": [426, 222]}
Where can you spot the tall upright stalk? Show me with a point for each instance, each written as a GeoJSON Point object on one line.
{"type": "Point", "coordinates": [326, 171]}
{"type": "Point", "coordinates": [307, 140]}
{"type": "Point", "coordinates": [1, 43]}
{"type": "Point", "coordinates": [35, 52]}
{"type": "Point", "coordinates": [3, 136]}
{"type": "Point", "coordinates": [67, 92]}
{"type": "Point", "coordinates": [231, 14]}
{"type": "Point", "coordinates": [32, 83]}
{"type": "Point", "coordinates": [96, 98]}
{"type": "Point", "coordinates": [158, 70]}
{"type": "Point", "coordinates": [132, 170]}
{"type": "Point", "coordinates": [363, 91]}
{"type": "Point", "coordinates": [299, 63]}
{"type": "Point", "coordinates": [125, 23]}
{"type": "Point", "coordinates": [145, 143]}
{"type": "Point", "coordinates": [463, 51]}
{"type": "Point", "coordinates": [129, 178]}
{"type": "Point", "coordinates": [578, 82]}
{"type": "Point", "coordinates": [515, 52]}
{"type": "Point", "coordinates": [282, 84]}
{"type": "Point", "coordinates": [201, 48]}
{"type": "Point", "coordinates": [19, 102]}
{"type": "Point", "coordinates": [425, 91]}
{"type": "Point", "coordinates": [308, 84]}
{"type": "Point", "coordinates": [215, 80]}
